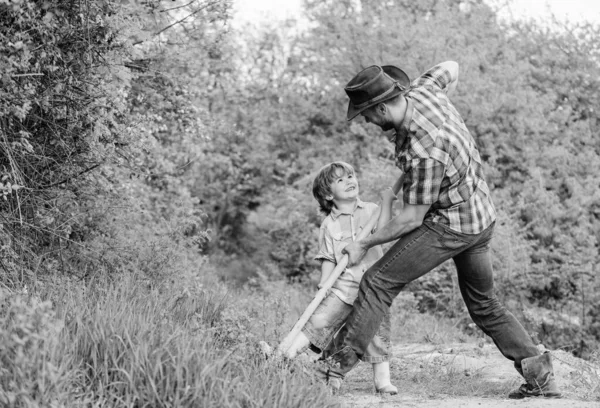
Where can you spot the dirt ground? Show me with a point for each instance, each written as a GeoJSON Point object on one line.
{"type": "Point", "coordinates": [467, 376]}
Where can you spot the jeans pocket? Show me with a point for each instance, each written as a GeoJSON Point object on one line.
{"type": "Point", "coordinates": [452, 240]}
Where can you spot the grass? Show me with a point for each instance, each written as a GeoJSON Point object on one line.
{"type": "Point", "coordinates": [128, 344]}
{"type": "Point", "coordinates": [191, 342]}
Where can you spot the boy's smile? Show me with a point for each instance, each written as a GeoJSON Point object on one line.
{"type": "Point", "coordinates": [344, 188]}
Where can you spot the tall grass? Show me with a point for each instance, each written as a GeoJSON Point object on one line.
{"type": "Point", "coordinates": [131, 344]}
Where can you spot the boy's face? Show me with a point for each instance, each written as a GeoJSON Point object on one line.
{"type": "Point", "coordinates": [344, 187]}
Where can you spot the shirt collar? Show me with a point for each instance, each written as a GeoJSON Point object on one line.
{"type": "Point", "coordinates": [336, 213]}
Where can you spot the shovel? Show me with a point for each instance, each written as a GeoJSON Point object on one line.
{"type": "Point", "coordinates": [337, 271]}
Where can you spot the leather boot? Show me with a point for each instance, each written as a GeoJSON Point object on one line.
{"type": "Point", "coordinates": [539, 377]}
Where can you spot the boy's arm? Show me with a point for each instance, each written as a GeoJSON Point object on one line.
{"type": "Point", "coordinates": [388, 196]}
{"type": "Point", "coordinates": [326, 268]}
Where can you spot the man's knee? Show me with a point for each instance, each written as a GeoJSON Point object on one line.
{"type": "Point", "coordinates": [372, 286]}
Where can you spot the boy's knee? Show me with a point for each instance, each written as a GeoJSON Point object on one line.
{"type": "Point", "coordinates": [319, 321]}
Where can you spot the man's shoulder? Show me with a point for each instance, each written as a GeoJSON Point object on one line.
{"type": "Point", "coordinates": [429, 111]}
{"type": "Point", "coordinates": [437, 76]}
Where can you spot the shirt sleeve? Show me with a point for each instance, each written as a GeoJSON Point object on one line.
{"type": "Point", "coordinates": [436, 76]}
{"type": "Point", "coordinates": [422, 181]}
{"type": "Point", "coordinates": [326, 250]}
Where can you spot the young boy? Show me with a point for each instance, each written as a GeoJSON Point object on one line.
{"type": "Point", "coordinates": [336, 189]}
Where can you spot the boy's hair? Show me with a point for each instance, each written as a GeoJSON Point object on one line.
{"type": "Point", "coordinates": [322, 183]}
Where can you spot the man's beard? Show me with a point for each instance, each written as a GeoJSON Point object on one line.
{"type": "Point", "coordinates": [386, 126]}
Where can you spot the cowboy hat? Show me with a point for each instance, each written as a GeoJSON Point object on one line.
{"type": "Point", "coordinates": [374, 85]}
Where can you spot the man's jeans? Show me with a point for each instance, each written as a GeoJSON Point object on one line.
{"type": "Point", "coordinates": [415, 254]}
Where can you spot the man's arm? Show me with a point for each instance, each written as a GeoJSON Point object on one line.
{"type": "Point", "coordinates": [410, 218]}
{"type": "Point", "coordinates": [444, 75]}
{"type": "Point", "coordinates": [452, 68]}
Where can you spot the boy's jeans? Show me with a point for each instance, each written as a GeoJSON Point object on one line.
{"type": "Point", "coordinates": [415, 254]}
{"type": "Point", "coordinates": [327, 320]}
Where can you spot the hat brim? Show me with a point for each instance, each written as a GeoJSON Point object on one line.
{"type": "Point", "coordinates": [398, 75]}
{"type": "Point", "coordinates": [354, 112]}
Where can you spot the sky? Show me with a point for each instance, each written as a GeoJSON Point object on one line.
{"type": "Point", "coordinates": [575, 10]}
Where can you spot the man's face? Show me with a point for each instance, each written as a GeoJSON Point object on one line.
{"type": "Point", "coordinates": [376, 115]}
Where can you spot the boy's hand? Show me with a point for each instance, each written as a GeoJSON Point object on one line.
{"type": "Point", "coordinates": [388, 195]}
{"type": "Point", "coordinates": [320, 286]}
{"type": "Point", "coordinates": [356, 251]}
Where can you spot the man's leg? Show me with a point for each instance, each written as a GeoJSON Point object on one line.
{"type": "Point", "coordinates": [415, 254]}
{"type": "Point", "coordinates": [476, 282]}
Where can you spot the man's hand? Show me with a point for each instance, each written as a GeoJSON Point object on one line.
{"type": "Point", "coordinates": [355, 251]}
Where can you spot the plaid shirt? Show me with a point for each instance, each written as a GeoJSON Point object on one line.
{"type": "Point", "coordinates": [440, 159]}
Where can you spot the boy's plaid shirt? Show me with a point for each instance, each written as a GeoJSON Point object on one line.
{"type": "Point", "coordinates": [440, 159]}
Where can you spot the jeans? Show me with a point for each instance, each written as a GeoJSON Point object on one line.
{"type": "Point", "coordinates": [327, 320]}
{"type": "Point", "coordinates": [412, 256]}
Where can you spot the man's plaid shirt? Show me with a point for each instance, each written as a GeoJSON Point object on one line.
{"type": "Point", "coordinates": [440, 160]}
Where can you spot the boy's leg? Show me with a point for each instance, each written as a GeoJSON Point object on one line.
{"type": "Point", "coordinates": [382, 378]}
{"type": "Point", "coordinates": [413, 255]}
{"type": "Point", "coordinates": [299, 344]}
{"type": "Point", "coordinates": [378, 353]}
{"type": "Point", "coordinates": [325, 322]}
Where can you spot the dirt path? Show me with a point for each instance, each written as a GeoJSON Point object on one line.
{"type": "Point", "coordinates": [467, 376]}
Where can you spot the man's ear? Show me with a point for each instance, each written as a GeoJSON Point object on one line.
{"type": "Point", "coordinates": [382, 108]}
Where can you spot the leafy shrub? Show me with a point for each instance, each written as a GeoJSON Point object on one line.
{"type": "Point", "coordinates": [32, 372]}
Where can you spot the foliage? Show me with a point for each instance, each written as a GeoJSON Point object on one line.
{"type": "Point", "coordinates": [153, 138]}
{"type": "Point", "coordinates": [32, 372]}
{"type": "Point", "coordinates": [59, 110]}
{"type": "Point", "coordinates": [127, 343]}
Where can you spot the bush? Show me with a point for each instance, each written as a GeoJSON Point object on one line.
{"type": "Point", "coordinates": [32, 372]}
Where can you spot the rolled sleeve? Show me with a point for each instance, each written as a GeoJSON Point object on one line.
{"type": "Point", "coordinates": [437, 76]}
{"type": "Point", "coordinates": [326, 249]}
{"type": "Point", "coordinates": [423, 181]}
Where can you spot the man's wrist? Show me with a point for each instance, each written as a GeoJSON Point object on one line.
{"type": "Point", "coordinates": [365, 244]}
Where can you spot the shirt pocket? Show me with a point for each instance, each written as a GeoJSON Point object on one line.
{"type": "Point", "coordinates": [340, 240]}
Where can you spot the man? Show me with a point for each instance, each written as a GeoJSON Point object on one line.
{"type": "Point", "coordinates": [448, 214]}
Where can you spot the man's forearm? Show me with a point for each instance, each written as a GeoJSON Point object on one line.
{"type": "Point", "coordinates": [394, 229]}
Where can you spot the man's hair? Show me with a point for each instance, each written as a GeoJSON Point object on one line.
{"type": "Point", "coordinates": [322, 183]}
